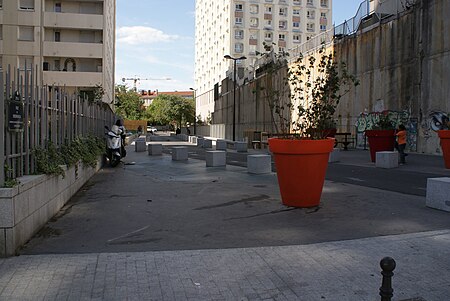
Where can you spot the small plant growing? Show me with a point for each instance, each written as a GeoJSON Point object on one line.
{"type": "Point", "coordinates": [384, 123]}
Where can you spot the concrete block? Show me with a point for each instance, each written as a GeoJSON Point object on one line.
{"type": "Point", "coordinates": [438, 193]}
{"type": "Point", "coordinates": [259, 164]}
{"type": "Point", "coordinates": [140, 145]}
{"type": "Point", "coordinates": [200, 142]}
{"type": "Point", "coordinates": [6, 213]}
{"type": "Point", "coordinates": [179, 153]}
{"type": "Point", "coordinates": [386, 159]}
{"type": "Point", "coordinates": [335, 155]}
{"type": "Point", "coordinates": [240, 146]}
{"type": "Point", "coordinates": [155, 149]}
{"type": "Point", "coordinates": [221, 145]}
{"type": "Point", "coordinates": [207, 143]}
{"type": "Point", "coordinates": [215, 158]}
{"type": "Point", "coordinates": [2, 243]}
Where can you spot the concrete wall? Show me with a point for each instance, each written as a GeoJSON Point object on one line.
{"type": "Point", "coordinates": [26, 208]}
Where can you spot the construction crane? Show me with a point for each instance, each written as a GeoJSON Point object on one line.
{"type": "Point", "coordinates": [135, 79]}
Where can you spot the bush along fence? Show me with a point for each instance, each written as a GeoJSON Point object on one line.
{"type": "Point", "coordinates": [34, 118]}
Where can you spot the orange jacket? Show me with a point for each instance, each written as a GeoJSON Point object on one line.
{"type": "Point", "coordinates": [401, 137]}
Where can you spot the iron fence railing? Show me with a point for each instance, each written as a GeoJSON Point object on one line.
{"type": "Point", "coordinates": [39, 115]}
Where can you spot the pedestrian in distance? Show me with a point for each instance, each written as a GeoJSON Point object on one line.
{"type": "Point", "coordinates": [401, 143]}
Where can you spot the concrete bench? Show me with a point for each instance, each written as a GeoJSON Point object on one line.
{"type": "Point", "coordinates": [155, 149]}
{"type": "Point", "coordinates": [335, 155]}
{"type": "Point", "coordinates": [259, 164]}
{"type": "Point", "coordinates": [221, 145]}
{"type": "Point", "coordinates": [193, 139]}
{"type": "Point", "coordinates": [386, 159]}
{"type": "Point", "coordinates": [240, 146]}
{"type": "Point", "coordinates": [207, 143]}
{"type": "Point", "coordinates": [438, 193]}
{"type": "Point", "coordinates": [140, 145]}
{"type": "Point", "coordinates": [180, 153]}
{"type": "Point", "coordinates": [200, 141]}
{"type": "Point", "coordinates": [215, 158]}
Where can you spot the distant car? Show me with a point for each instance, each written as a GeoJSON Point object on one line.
{"type": "Point", "coordinates": [151, 129]}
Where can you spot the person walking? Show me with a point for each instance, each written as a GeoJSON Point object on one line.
{"type": "Point", "coordinates": [401, 143]}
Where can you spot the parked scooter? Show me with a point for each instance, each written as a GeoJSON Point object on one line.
{"type": "Point", "coordinates": [115, 149]}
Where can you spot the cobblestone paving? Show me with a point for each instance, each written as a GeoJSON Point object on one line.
{"type": "Point", "coordinates": [342, 270]}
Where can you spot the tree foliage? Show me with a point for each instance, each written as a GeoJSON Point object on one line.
{"type": "Point", "coordinates": [171, 109]}
{"type": "Point", "coordinates": [128, 103]}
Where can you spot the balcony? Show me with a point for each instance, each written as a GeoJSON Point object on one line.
{"type": "Point", "coordinates": [72, 79]}
{"type": "Point", "coordinates": [79, 50]}
{"type": "Point", "coordinates": [68, 20]}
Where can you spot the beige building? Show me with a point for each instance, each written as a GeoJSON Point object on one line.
{"type": "Point", "coordinates": [239, 28]}
{"type": "Point", "coordinates": [71, 42]}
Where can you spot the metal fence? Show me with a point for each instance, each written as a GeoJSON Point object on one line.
{"type": "Point", "coordinates": [32, 115]}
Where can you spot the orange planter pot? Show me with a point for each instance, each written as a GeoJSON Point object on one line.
{"type": "Point", "coordinates": [445, 145]}
{"type": "Point", "coordinates": [301, 167]}
{"type": "Point", "coordinates": [379, 141]}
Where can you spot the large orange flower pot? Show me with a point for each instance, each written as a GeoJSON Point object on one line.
{"type": "Point", "coordinates": [379, 141]}
{"type": "Point", "coordinates": [445, 145]}
{"type": "Point", "coordinates": [301, 166]}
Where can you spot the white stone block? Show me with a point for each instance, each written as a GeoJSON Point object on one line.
{"type": "Point", "coordinates": [221, 145]}
{"type": "Point", "coordinates": [200, 142]}
{"type": "Point", "coordinates": [240, 146]}
{"type": "Point", "coordinates": [386, 159]}
{"type": "Point", "coordinates": [259, 164]}
{"type": "Point", "coordinates": [140, 145]}
{"type": "Point", "coordinates": [179, 153]}
{"type": "Point", "coordinates": [335, 155]}
{"type": "Point", "coordinates": [215, 158]}
{"type": "Point", "coordinates": [155, 149]}
{"type": "Point", "coordinates": [438, 193]}
{"type": "Point", "coordinates": [207, 143]}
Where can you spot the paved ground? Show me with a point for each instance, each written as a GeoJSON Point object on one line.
{"type": "Point", "coordinates": [164, 230]}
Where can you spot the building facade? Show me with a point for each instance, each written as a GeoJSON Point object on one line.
{"type": "Point", "coordinates": [239, 28]}
{"type": "Point", "coordinates": [72, 43]}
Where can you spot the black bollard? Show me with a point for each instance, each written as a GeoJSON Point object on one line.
{"type": "Point", "coordinates": [387, 266]}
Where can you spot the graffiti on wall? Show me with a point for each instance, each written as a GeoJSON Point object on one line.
{"type": "Point", "coordinates": [438, 121]}
{"type": "Point", "coordinates": [366, 121]}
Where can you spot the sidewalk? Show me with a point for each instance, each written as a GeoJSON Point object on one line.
{"type": "Point", "coordinates": [181, 231]}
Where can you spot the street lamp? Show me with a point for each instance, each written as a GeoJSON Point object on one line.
{"type": "Point", "coordinates": [228, 57]}
{"type": "Point", "coordinates": [195, 108]}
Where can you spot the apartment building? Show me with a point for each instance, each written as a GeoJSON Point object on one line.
{"type": "Point", "coordinates": [239, 28]}
{"type": "Point", "coordinates": [72, 42]}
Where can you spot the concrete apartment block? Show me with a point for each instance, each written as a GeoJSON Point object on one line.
{"type": "Point", "coordinates": [438, 193]}
{"type": "Point", "coordinates": [334, 155]}
{"type": "Point", "coordinates": [221, 145]}
{"type": "Point", "coordinates": [179, 153]}
{"type": "Point", "coordinates": [240, 146]}
{"type": "Point", "coordinates": [155, 149]}
{"type": "Point", "coordinates": [215, 158]}
{"type": "Point", "coordinates": [140, 145]}
{"type": "Point", "coordinates": [259, 164]}
{"type": "Point", "coordinates": [386, 159]}
{"type": "Point", "coordinates": [207, 143]}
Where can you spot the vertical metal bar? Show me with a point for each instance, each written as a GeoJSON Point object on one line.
{"type": "Point", "coordinates": [26, 129]}
{"type": "Point", "coordinates": [2, 131]}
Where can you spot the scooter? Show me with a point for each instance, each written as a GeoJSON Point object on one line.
{"type": "Point", "coordinates": [114, 145]}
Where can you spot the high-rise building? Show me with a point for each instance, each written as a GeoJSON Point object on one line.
{"type": "Point", "coordinates": [239, 28]}
{"type": "Point", "coordinates": [72, 43]}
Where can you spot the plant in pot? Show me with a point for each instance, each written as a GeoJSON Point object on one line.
{"type": "Point", "coordinates": [381, 137]}
{"type": "Point", "coordinates": [444, 135]}
{"type": "Point", "coordinates": [301, 150]}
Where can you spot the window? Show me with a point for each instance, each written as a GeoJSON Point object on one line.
{"type": "Point", "coordinates": [323, 27]}
{"type": "Point", "coordinates": [269, 9]}
{"type": "Point", "coordinates": [281, 49]}
{"type": "Point", "coordinates": [268, 36]}
{"type": "Point", "coordinates": [324, 3]}
{"type": "Point", "coordinates": [57, 36]}
{"type": "Point", "coordinates": [310, 14]}
{"type": "Point", "coordinates": [26, 4]}
{"type": "Point", "coordinates": [281, 36]}
{"type": "Point", "coordinates": [26, 33]}
{"type": "Point", "coordinates": [254, 22]}
{"type": "Point", "coordinates": [57, 7]}
{"type": "Point", "coordinates": [57, 65]}
{"type": "Point", "coordinates": [296, 25]}
{"type": "Point", "coordinates": [282, 24]}
{"type": "Point", "coordinates": [239, 47]}
{"type": "Point", "coordinates": [323, 15]}
{"type": "Point", "coordinates": [283, 11]}
{"type": "Point", "coordinates": [296, 38]}
{"type": "Point", "coordinates": [254, 8]}
{"type": "Point", "coordinates": [239, 34]}
{"type": "Point", "coordinates": [239, 7]}
{"type": "Point", "coordinates": [310, 27]}
{"type": "Point", "coordinates": [238, 21]}
{"type": "Point", "coordinates": [296, 11]}
{"type": "Point", "coordinates": [309, 2]}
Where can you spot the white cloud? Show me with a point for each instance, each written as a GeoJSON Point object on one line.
{"type": "Point", "coordinates": [135, 35]}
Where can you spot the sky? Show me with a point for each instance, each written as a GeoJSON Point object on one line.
{"type": "Point", "coordinates": [155, 40]}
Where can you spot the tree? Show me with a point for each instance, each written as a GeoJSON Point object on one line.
{"type": "Point", "coordinates": [172, 109]}
{"type": "Point", "coordinates": [128, 105]}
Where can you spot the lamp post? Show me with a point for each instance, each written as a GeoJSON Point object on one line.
{"type": "Point", "coordinates": [194, 91]}
{"type": "Point", "coordinates": [228, 57]}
